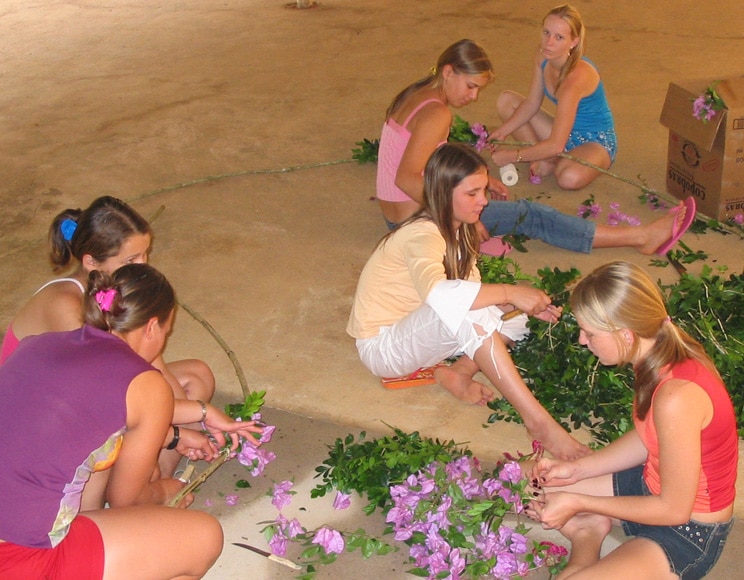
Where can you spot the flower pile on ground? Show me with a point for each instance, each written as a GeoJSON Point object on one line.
{"type": "Point", "coordinates": [449, 511]}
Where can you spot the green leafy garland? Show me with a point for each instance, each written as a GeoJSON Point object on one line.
{"type": "Point", "coordinates": [569, 380]}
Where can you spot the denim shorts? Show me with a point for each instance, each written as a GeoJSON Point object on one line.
{"type": "Point", "coordinates": [692, 548]}
{"type": "Point", "coordinates": [607, 139]}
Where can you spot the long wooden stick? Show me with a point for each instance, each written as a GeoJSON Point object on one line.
{"type": "Point", "coordinates": [223, 458]}
{"type": "Point", "coordinates": [230, 353]}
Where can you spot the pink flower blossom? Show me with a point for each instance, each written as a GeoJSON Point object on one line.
{"type": "Point", "coordinates": [535, 179]}
{"type": "Point", "coordinates": [256, 459]}
{"type": "Point", "coordinates": [480, 131]}
{"type": "Point", "coordinates": [281, 497]}
{"type": "Point", "coordinates": [278, 543]}
{"type": "Point", "coordinates": [231, 500]}
{"type": "Point", "coordinates": [268, 431]}
{"type": "Point", "coordinates": [341, 501]}
{"type": "Point", "coordinates": [739, 219]}
{"type": "Point", "coordinates": [330, 540]}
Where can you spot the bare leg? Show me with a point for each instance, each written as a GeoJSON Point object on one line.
{"type": "Point", "coordinates": [494, 361]}
{"type": "Point", "coordinates": [157, 542]}
{"type": "Point", "coordinates": [458, 380]}
{"type": "Point", "coordinates": [94, 493]}
{"type": "Point", "coordinates": [536, 129]}
{"type": "Point", "coordinates": [195, 379]}
{"type": "Point", "coordinates": [638, 558]}
{"type": "Point", "coordinates": [586, 532]}
{"type": "Point", "coordinates": [190, 379]}
{"type": "Point", "coordinates": [572, 175]}
{"type": "Point", "coordinates": [645, 238]}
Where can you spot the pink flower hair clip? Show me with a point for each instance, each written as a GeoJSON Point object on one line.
{"type": "Point", "coordinates": [105, 299]}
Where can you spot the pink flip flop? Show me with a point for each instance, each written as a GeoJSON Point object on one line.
{"type": "Point", "coordinates": [495, 246]}
{"type": "Point", "coordinates": [679, 230]}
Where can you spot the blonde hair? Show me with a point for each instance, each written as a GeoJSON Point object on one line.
{"type": "Point", "coordinates": [620, 296]}
{"type": "Point", "coordinates": [571, 16]}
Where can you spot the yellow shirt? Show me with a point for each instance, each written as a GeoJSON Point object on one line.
{"type": "Point", "coordinates": [400, 276]}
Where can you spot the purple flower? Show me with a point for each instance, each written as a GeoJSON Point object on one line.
{"type": "Point", "coordinates": [330, 540]}
{"type": "Point", "coordinates": [511, 472]}
{"type": "Point", "coordinates": [278, 542]}
{"type": "Point", "coordinates": [480, 131]}
{"type": "Point", "coordinates": [231, 500]}
{"type": "Point", "coordinates": [208, 503]}
{"type": "Point", "coordinates": [294, 528]}
{"type": "Point", "coordinates": [535, 179]}
{"type": "Point", "coordinates": [281, 497]}
{"type": "Point", "coordinates": [268, 431]}
{"type": "Point", "coordinates": [739, 219]}
{"type": "Point", "coordinates": [256, 459]}
{"type": "Point", "coordinates": [492, 485]}
{"type": "Point", "coordinates": [341, 501]}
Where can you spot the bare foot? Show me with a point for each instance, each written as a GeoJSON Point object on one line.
{"type": "Point", "coordinates": [558, 442]}
{"type": "Point", "coordinates": [542, 168]}
{"type": "Point", "coordinates": [462, 386]}
{"type": "Point", "coordinates": [660, 230]}
{"type": "Point", "coordinates": [587, 533]}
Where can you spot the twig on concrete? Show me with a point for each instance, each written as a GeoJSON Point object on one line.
{"type": "Point", "coordinates": [230, 353]}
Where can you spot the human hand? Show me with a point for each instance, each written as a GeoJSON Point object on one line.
{"type": "Point", "coordinates": [551, 314]}
{"type": "Point", "coordinates": [219, 424]}
{"type": "Point", "coordinates": [502, 156]}
{"type": "Point", "coordinates": [554, 509]}
{"type": "Point", "coordinates": [497, 190]}
{"type": "Point", "coordinates": [481, 232]}
{"type": "Point", "coordinates": [555, 472]}
{"type": "Point", "coordinates": [196, 445]}
{"type": "Point", "coordinates": [170, 488]}
{"type": "Point", "coordinates": [531, 301]}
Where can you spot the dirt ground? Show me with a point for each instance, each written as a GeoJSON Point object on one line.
{"type": "Point", "coordinates": [231, 122]}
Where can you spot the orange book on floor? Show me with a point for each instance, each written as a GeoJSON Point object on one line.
{"type": "Point", "coordinates": [419, 378]}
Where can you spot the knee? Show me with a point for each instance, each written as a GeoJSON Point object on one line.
{"type": "Point", "coordinates": [198, 381]}
{"type": "Point", "coordinates": [506, 104]}
{"type": "Point", "coordinates": [571, 179]}
{"type": "Point", "coordinates": [211, 540]}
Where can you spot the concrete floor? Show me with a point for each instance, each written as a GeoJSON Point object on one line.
{"type": "Point", "coordinates": [230, 114]}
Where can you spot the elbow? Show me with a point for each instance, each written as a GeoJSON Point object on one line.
{"type": "Point", "coordinates": [676, 516]}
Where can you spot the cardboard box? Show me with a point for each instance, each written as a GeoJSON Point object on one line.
{"type": "Point", "coordinates": [706, 159]}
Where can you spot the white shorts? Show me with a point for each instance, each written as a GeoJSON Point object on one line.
{"type": "Point", "coordinates": [421, 339]}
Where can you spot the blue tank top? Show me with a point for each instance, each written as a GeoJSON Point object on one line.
{"type": "Point", "coordinates": [62, 415]}
{"type": "Point", "coordinates": [593, 114]}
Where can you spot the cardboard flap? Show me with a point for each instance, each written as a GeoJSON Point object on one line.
{"type": "Point", "coordinates": [677, 116]}
{"type": "Point", "coordinates": [732, 92]}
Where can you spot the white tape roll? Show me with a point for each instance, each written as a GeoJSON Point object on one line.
{"type": "Point", "coordinates": [509, 175]}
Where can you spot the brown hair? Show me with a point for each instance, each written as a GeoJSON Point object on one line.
{"type": "Point", "coordinates": [464, 56]}
{"type": "Point", "coordinates": [99, 231]}
{"type": "Point", "coordinates": [139, 292]}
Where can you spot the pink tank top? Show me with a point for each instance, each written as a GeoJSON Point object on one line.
{"type": "Point", "coordinates": [10, 341]}
{"type": "Point", "coordinates": [393, 142]}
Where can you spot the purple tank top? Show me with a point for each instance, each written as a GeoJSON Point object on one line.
{"type": "Point", "coordinates": [62, 412]}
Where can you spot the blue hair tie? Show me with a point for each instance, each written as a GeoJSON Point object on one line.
{"type": "Point", "coordinates": [68, 227]}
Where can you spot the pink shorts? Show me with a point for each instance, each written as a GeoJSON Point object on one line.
{"type": "Point", "coordinates": [80, 555]}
